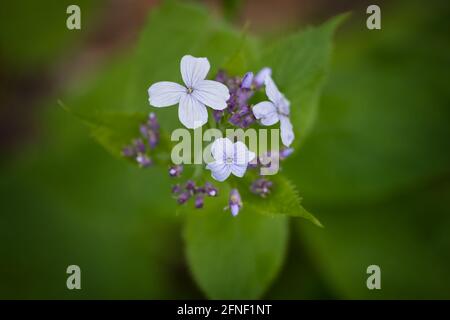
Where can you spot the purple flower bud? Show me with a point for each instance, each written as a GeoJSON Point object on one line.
{"type": "Point", "coordinates": [242, 96]}
{"type": "Point", "coordinates": [175, 171]}
{"type": "Point", "coordinates": [153, 121]}
{"type": "Point", "coordinates": [199, 202]}
{"type": "Point", "coordinates": [248, 120]}
{"type": "Point", "coordinates": [261, 76]}
{"type": "Point", "coordinates": [235, 120]}
{"type": "Point", "coordinates": [190, 186]}
{"type": "Point", "coordinates": [183, 197]}
{"type": "Point", "coordinates": [286, 152]}
{"type": "Point", "coordinates": [176, 189]}
{"type": "Point", "coordinates": [128, 151]}
{"type": "Point", "coordinates": [139, 145]}
{"type": "Point", "coordinates": [153, 139]}
{"type": "Point", "coordinates": [143, 160]}
{"type": "Point", "coordinates": [243, 117]}
{"type": "Point", "coordinates": [210, 189]}
{"type": "Point", "coordinates": [247, 80]}
{"type": "Point", "coordinates": [235, 202]}
{"type": "Point", "coordinates": [221, 76]}
{"type": "Point", "coordinates": [261, 187]}
{"type": "Point", "coordinates": [144, 130]}
{"type": "Point", "coordinates": [218, 114]}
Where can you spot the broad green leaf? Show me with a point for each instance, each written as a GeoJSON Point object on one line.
{"type": "Point", "coordinates": [300, 65]}
{"type": "Point", "coordinates": [383, 125]}
{"type": "Point", "coordinates": [234, 257]}
{"type": "Point", "coordinates": [284, 199]}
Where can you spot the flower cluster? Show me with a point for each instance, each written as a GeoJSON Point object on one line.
{"type": "Point", "coordinates": [140, 148]}
{"type": "Point", "coordinates": [231, 100]}
{"type": "Point", "coordinates": [183, 192]}
{"type": "Point", "coordinates": [242, 114]}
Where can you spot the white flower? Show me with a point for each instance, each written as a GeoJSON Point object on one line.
{"type": "Point", "coordinates": [277, 109]}
{"type": "Point", "coordinates": [192, 97]}
{"type": "Point", "coordinates": [229, 158]}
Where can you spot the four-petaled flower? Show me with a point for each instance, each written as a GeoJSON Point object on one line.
{"type": "Point", "coordinates": [229, 158]}
{"type": "Point", "coordinates": [277, 109]}
{"type": "Point", "coordinates": [192, 97]}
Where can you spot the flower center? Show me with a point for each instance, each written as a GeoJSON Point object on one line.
{"type": "Point", "coordinates": [229, 160]}
{"type": "Point", "coordinates": [190, 90]}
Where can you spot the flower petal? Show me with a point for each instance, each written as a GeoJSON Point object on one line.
{"type": "Point", "coordinates": [261, 76]}
{"type": "Point", "coordinates": [221, 149]}
{"type": "Point", "coordinates": [192, 113]}
{"type": "Point", "coordinates": [165, 93]}
{"type": "Point", "coordinates": [219, 171]}
{"type": "Point", "coordinates": [193, 70]}
{"type": "Point", "coordinates": [272, 91]}
{"type": "Point", "coordinates": [239, 169]}
{"type": "Point", "coordinates": [287, 133]}
{"type": "Point", "coordinates": [242, 156]}
{"type": "Point", "coordinates": [212, 93]}
{"type": "Point", "coordinates": [266, 112]}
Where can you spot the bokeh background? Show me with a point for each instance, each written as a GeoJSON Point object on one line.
{"type": "Point", "coordinates": [375, 170]}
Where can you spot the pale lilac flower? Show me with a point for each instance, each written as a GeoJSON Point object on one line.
{"type": "Point", "coordinates": [277, 109]}
{"type": "Point", "coordinates": [229, 158]}
{"type": "Point", "coordinates": [192, 97]}
{"type": "Point", "coordinates": [261, 76]}
{"type": "Point", "coordinates": [235, 202]}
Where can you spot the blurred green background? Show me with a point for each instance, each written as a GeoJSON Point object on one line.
{"type": "Point", "coordinates": [375, 169]}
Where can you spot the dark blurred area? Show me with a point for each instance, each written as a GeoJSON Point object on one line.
{"type": "Point", "coordinates": [375, 171]}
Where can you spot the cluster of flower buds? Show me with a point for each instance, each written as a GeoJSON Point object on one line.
{"type": "Point", "coordinates": [261, 187]}
{"type": "Point", "coordinates": [265, 159]}
{"type": "Point", "coordinates": [183, 192]}
{"type": "Point", "coordinates": [141, 146]}
{"type": "Point", "coordinates": [241, 90]}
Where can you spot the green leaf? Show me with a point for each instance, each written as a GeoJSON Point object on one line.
{"type": "Point", "coordinates": [283, 200]}
{"type": "Point", "coordinates": [382, 128]}
{"type": "Point", "coordinates": [234, 257]}
{"type": "Point", "coordinates": [300, 65]}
